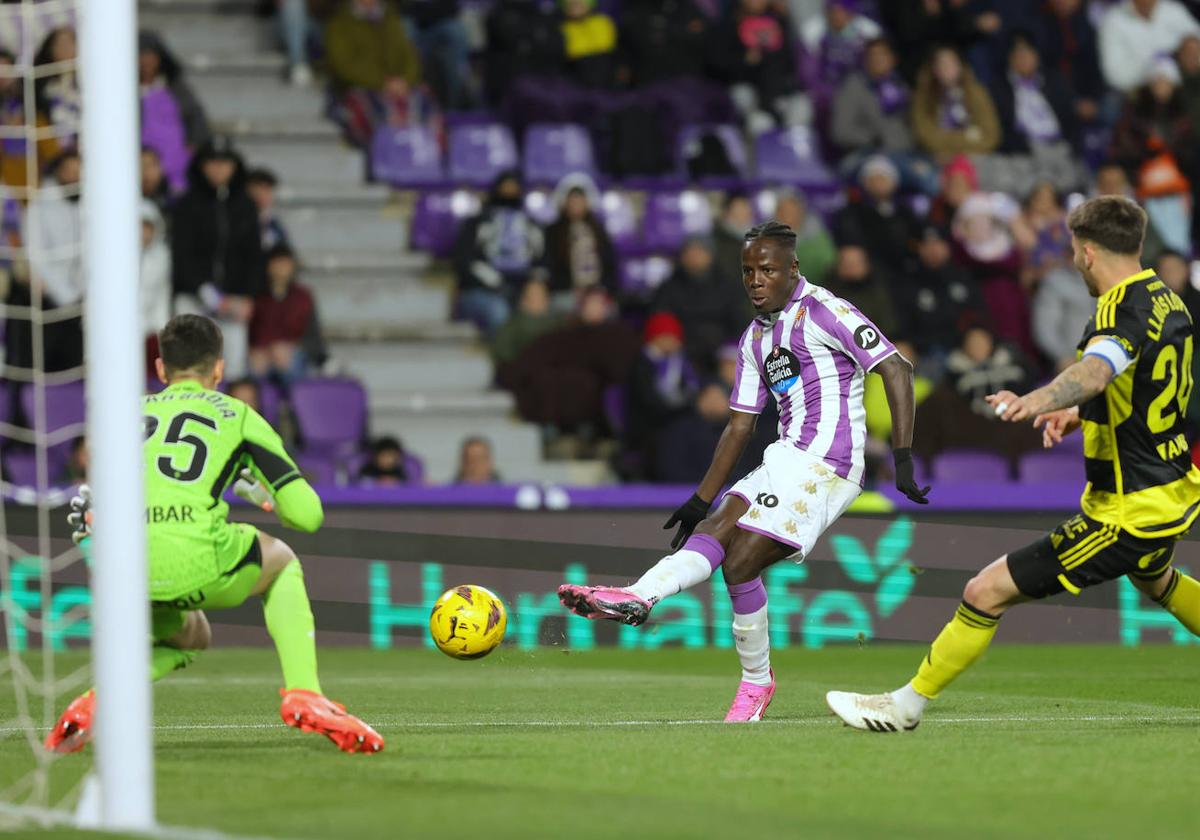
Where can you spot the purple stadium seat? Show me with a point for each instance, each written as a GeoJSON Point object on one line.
{"type": "Point", "coordinates": [970, 466]}
{"type": "Point", "coordinates": [331, 414]}
{"type": "Point", "coordinates": [539, 204]}
{"type": "Point", "coordinates": [620, 220]}
{"type": "Point", "coordinates": [478, 153]}
{"type": "Point", "coordinates": [436, 219]}
{"type": "Point", "coordinates": [65, 407]}
{"type": "Point", "coordinates": [671, 217]}
{"type": "Point", "coordinates": [792, 156]}
{"type": "Point", "coordinates": [269, 401]}
{"type": "Point", "coordinates": [318, 469]}
{"type": "Point", "coordinates": [688, 143]}
{"type": "Point", "coordinates": [640, 276]}
{"type": "Point", "coordinates": [1051, 466]}
{"type": "Point", "coordinates": [616, 404]}
{"type": "Point", "coordinates": [406, 157]}
{"type": "Point", "coordinates": [553, 150]}
{"type": "Point", "coordinates": [414, 468]}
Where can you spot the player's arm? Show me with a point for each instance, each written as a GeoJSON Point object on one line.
{"type": "Point", "coordinates": [296, 504]}
{"type": "Point", "coordinates": [1076, 385]}
{"type": "Point", "coordinates": [897, 375]}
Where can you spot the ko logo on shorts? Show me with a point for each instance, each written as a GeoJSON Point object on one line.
{"type": "Point", "coordinates": [766, 500]}
{"type": "Point", "coordinates": [866, 337]}
{"type": "Point", "coordinates": [782, 369]}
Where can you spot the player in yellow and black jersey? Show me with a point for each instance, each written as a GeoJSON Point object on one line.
{"type": "Point", "coordinates": [1128, 392]}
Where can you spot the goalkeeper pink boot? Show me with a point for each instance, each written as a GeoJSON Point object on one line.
{"type": "Point", "coordinates": [312, 712]}
{"type": "Point", "coordinates": [750, 702]}
{"type": "Point", "coordinates": [74, 728]}
{"type": "Point", "coordinates": [605, 602]}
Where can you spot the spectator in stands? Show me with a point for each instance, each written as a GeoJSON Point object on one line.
{"type": "Point", "coordinates": [729, 237]}
{"type": "Point", "coordinates": [57, 91]}
{"type": "Point", "coordinates": [815, 251]}
{"type": "Point", "coordinates": [1034, 102]}
{"type": "Point", "coordinates": [915, 24]}
{"type": "Point", "coordinates": [53, 230]}
{"type": "Point", "coordinates": [834, 43]}
{"type": "Point", "coordinates": [1112, 179]}
{"type": "Point", "coordinates": [696, 429]}
{"type": "Point", "coordinates": [297, 28]}
{"type": "Point", "coordinates": [1068, 44]}
{"type": "Point", "coordinates": [386, 466]}
{"type": "Point", "coordinates": [876, 218]}
{"type": "Point", "coordinates": [216, 259]}
{"type": "Point", "coordinates": [937, 298]}
{"type": "Point", "coordinates": [154, 184]}
{"type": "Point", "coordinates": [247, 390]}
{"type": "Point", "coordinates": [1188, 59]}
{"type": "Point", "coordinates": [282, 316]}
{"type": "Point", "coordinates": [662, 384]}
{"type": "Point", "coordinates": [958, 180]}
{"type": "Point", "coordinates": [15, 169]}
{"type": "Point", "coordinates": [1154, 139]}
{"type": "Point", "coordinates": [952, 113]}
{"type": "Point", "coordinates": [375, 70]}
{"type": "Point", "coordinates": [870, 111]}
{"type": "Point", "coordinates": [713, 309]}
{"type": "Point", "coordinates": [579, 253]}
{"type": "Point", "coordinates": [590, 37]}
{"type": "Point", "coordinates": [1176, 272]}
{"type": "Point", "coordinates": [661, 40]}
{"type": "Point", "coordinates": [173, 121]}
{"type": "Point", "coordinates": [753, 50]}
{"type": "Point", "coordinates": [155, 280]}
{"type": "Point", "coordinates": [560, 378]}
{"type": "Point", "coordinates": [533, 318]}
{"type": "Point", "coordinates": [956, 416]}
{"type": "Point", "coordinates": [496, 253]}
{"type": "Point", "coordinates": [75, 471]}
{"type": "Point", "coordinates": [864, 285]}
{"type": "Point", "coordinates": [984, 245]}
{"type": "Point", "coordinates": [475, 463]}
{"type": "Point", "coordinates": [260, 185]}
{"type": "Point", "coordinates": [442, 39]}
{"type": "Point", "coordinates": [1135, 33]}
{"type": "Point", "coordinates": [523, 44]}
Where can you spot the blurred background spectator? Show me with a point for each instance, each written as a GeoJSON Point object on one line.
{"type": "Point", "coordinates": [15, 166]}
{"type": "Point", "coordinates": [662, 385]}
{"type": "Point", "coordinates": [815, 251]}
{"type": "Point", "coordinates": [153, 182]}
{"type": "Point", "coordinates": [1134, 33]}
{"type": "Point", "coordinates": [859, 281]}
{"type": "Point", "coordinates": [936, 299]}
{"type": "Point", "coordinates": [247, 390]}
{"type": "Point", "coordinates": [532, 318]}
{"type": "Point", "coordinates": [155, 280]}
{"type": "Point", "coordinates": [476, 464]}
{"type": "Point", "coordinates": [441, 37]}
{"type": "Point", "coordinates": [53, 231]}
{"type": "Point", "coordinates": [729, 235]}
{"type": "Point", "coordinates": [283, 313]}
{"type": "Point", "coordinates": [875, 218]}
{"type": "Point", "coordinates": [952, 112]}
{"type": "Point", "coordinates": [579, 253]}
{"type": "Point", "coordinates": [260, 186]}
{"type": "Point", "coordinates": [173, 121]}
{"type": "Point", "coordinates": [386, 464]}
{"type": "Point", "coordinates": [57, 85]}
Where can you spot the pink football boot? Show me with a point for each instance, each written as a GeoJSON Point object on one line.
{"type": "Point", "coordinates": [750, 702]}
{"type": "Point", "coordinates": [605, 602]}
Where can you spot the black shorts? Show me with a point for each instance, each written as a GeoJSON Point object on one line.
{"type": "Point", "coordinates": [1082, 552]}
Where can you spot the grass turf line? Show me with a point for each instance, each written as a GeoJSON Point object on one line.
{"type": "Point", "coordinates": [1036, 741]}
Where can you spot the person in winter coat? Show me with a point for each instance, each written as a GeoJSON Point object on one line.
{"type": "Point", "coordinates": [876, 218]}
{"type": "Point", "coordinates": [937, 298]}
{"type": "Point", "coordinates": [57, 92]}
{"type": "Point", "coordinates": [662, 383]}
{"type": "Point", "coordinates": [1034, 103]}
{"type": "Point", "coordinates": [495, 253]}
{"type": "Point", "coordinates": [282, 316]}
{"type": "Point", "coordinates": [870, 110]}
{"type": "Point", "coordinates": [857, 281]}
{"type": "Point", "coordinates": [216, 259]}
{"type": "Point", "coordinates": [532, 319]}
{"type": "Point", "coordinates": [52, 233]}
{"type": "Point", "coordinates": [951, 111]}
{"type": "Point", "coordinates": [579, 253]}
{"type": "Point", "coordinates": [15, 151]}
{"type": "Point", "coordinates": [154, 280]}
{"type": "Point", "coordinates": [173, 120]}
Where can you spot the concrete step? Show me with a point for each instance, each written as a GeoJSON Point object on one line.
{"type": "Point", "coordinates": [366, 230]}
{"type": "Point", "coordinates": [308, 162]}
{"type": "Point", "coordinates": [376, 263]}
{"type": "Point", "coordinates": [415, 367]}
{"type": "Point", "coordinates": [333, 196]}
{"type": "Point", "coordinates": [438, 439]}
{"type": "Point", "coordinates": [481, 405]}
{"type": "Point", "coordinates": [262, 98]}
{"type": "Point", "coordinates": [192, 31]}
{"type": "Point", "coordinates": [244, 7]}
{"type": "Point", "coordinates": [365, 308]}
{"type": "Point", "coordinates": [239, 65]}
{"type": "Point", "coordinates": [311, 129]}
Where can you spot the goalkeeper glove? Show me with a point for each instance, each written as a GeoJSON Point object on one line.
{"type": "Point", "coordinates": [80, 517]}
{"type": "Point", "coordinates": [252, 490]}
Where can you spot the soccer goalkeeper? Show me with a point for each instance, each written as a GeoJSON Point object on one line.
{"type": "Point", "coordinates": [197, 443]}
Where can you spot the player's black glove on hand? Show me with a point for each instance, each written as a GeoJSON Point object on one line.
{"type": "Point", "coordinates": [688, 516]}
{"type": "Point", "coordinates": [904, 477]}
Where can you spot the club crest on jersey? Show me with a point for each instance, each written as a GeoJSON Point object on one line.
{"type": "Point", "coordinates": [800, 313]}
{"type": "Point", "coordinates": [782, 369]}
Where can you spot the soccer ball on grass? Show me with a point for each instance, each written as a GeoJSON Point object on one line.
{"type": "Point", "coordinates": [467, 622]}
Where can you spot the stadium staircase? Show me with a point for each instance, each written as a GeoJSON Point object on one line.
{"type": "Point", "coordinates": [384, 309]}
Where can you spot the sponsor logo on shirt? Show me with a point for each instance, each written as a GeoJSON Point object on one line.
{"type": "Point", "coordinates": [782, 369]}
{"type": "Point", "coordinates": [866, 337]}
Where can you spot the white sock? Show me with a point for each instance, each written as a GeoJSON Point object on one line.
{"type": "Point", "coordinates": [753, 646]}
{"type": "Point", "coordinates": [910, 703]}
{"type": "Point", "coordinates": [674, 573]}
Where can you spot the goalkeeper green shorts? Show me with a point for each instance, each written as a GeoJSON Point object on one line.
{"type": "Point", "coordinates": [229, 590]}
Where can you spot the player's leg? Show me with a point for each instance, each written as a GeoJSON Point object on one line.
{"type": "Point", "coordinates": [1177, 593]}
{"type": "Point", "coordinates": [749, 555]}
{"type": "Point", "coordinates": [694, 563]}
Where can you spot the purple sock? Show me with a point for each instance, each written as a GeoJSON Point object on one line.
{"type": "Point", "coordinates": [748, 597]}
{"type": "Point", "coordinates": [707, 546]}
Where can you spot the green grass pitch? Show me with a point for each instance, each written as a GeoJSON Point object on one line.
{"type": "Point", "coordinates": [1086, 741]}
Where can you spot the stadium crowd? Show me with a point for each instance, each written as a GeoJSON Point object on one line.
{"type": "Point", "coordinates": [953, 136]}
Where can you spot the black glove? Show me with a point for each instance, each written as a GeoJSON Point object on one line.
{"type": "Point", "coordinates": [688, 516]}
{"type": "Point", "coordinates": [904, 477]}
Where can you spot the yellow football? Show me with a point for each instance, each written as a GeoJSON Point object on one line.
{"type": "Point", "coordinates": [467, 622]}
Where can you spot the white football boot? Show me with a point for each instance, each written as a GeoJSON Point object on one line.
{"type": "Point", "coordinates": [873, 712]}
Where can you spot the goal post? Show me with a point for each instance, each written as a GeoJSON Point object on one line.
{"type": "Point", "coordinates": [115, 383]}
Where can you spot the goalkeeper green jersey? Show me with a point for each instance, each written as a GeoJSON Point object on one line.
{"type": "Point", "coordinates": [197, 442]}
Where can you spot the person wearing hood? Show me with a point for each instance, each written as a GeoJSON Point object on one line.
{"type": "Point", "coordinates": [877, 219]}
{"type": "Point", "coordinates": [53, 230]}
{"type": "Point", "coordinates": [579, 252]}
{"type": "Point", "coordinates": [215, 252]}
{"type": "Point", "coordinates": [173, 121]}
{"type": "Point", "coordinates": [815, 251]}
{"type": "Point", "coordinates": [15, 151]}
{"type": "Point", "coordinates": [154, 280]}
{"type": "Point", "coordinates": [711, 308]}
{"type": "Point", "coordinates": [864, 286]}
{"type": "Point", "coordinates": [495, 253]}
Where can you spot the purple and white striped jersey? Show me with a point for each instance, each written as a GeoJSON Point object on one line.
{"type": "Point", "coordinates": [813, 357]}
